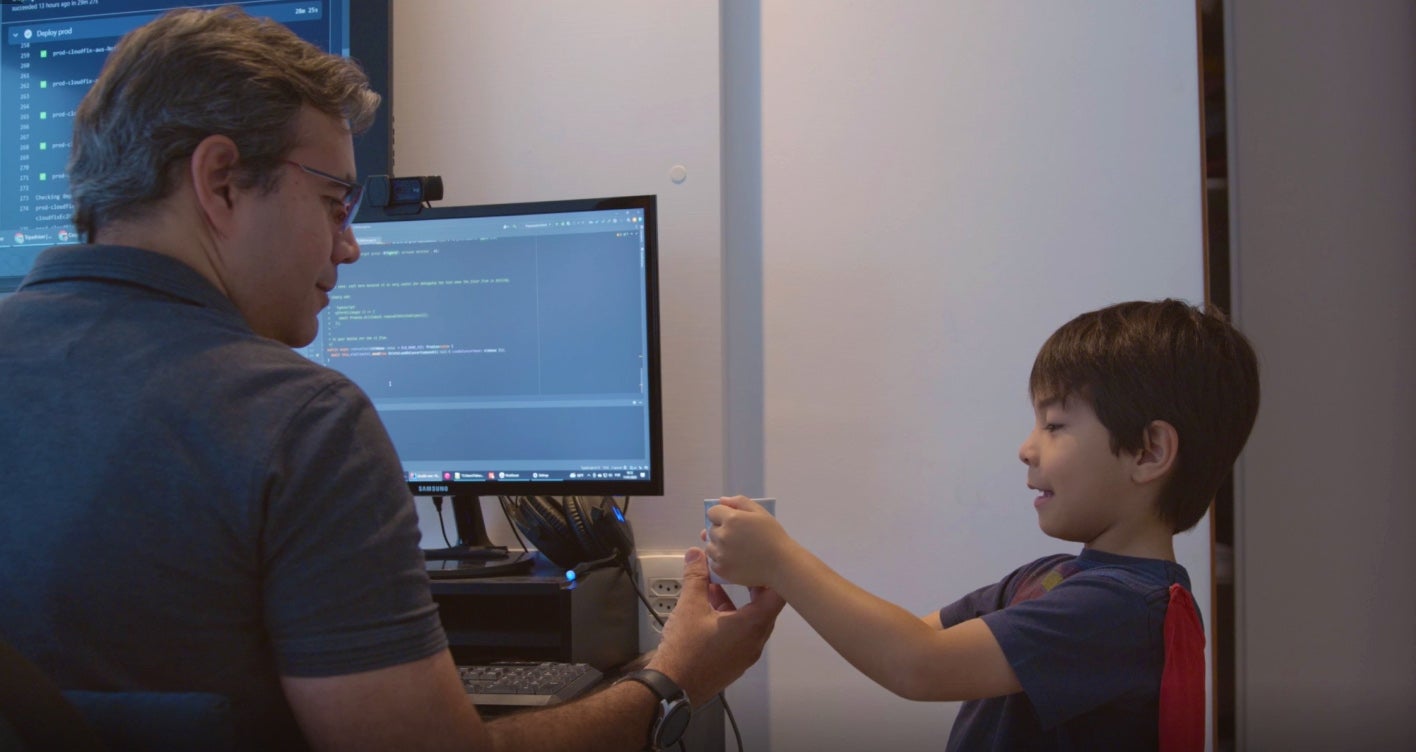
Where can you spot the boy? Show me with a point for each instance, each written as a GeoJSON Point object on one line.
{"type": "Point", "coordinates": [1141, 409]}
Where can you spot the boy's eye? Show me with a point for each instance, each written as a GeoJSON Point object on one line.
{"type": "Point", "coordinates": [1050, 427]}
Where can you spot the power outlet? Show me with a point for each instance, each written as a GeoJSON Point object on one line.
{"type": "Point", "coordinates": [666, 586]}
{"type": "Point", "coordinates": [662, 581]}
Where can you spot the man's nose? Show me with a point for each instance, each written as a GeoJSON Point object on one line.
{"type": "Point", "coordinates": [346, 247]}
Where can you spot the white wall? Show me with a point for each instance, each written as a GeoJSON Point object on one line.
{"type": "Point", "coordinates": [943, 185]}
{"type": "Point", "coordinates": [1323, 174]}
{"type": "Point", "coordinates": [920, 191]}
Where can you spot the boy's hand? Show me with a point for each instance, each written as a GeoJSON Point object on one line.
{"type": "Point", "coordinates": [745, 544]}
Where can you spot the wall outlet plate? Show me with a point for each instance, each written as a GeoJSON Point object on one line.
{"type": "Point", "coordinates": [661, 580]}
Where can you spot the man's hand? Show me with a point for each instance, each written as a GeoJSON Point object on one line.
{"type": "Point", "coordinates": [708, 642]}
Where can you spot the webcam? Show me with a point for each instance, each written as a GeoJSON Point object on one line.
{"type": "Point", "coordinates": [403, 195]}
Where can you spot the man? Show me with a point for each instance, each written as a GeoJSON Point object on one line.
{"type": "Point", "coordinates": [196, 507]}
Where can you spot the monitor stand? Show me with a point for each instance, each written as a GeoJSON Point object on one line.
{"type": "Point", "coordinates": [474, 555]}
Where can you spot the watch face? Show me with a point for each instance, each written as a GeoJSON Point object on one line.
{"type": "Point", "coordinates": [676, 718]}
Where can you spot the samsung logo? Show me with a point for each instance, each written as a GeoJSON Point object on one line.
{"type": "Point", "coordinates": [432, 489]}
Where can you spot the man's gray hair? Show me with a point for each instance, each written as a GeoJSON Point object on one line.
{"type": "Point", "coordinates": [191, 74]}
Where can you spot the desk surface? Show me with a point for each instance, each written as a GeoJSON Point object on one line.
{"type": "Point", "coordinates": [543, 575]}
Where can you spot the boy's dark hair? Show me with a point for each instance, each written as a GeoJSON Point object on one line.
{"type": "Point", "coordinates": [1139, 362]}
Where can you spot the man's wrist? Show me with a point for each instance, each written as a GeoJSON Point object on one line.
{"type": "Point", "coordinates": [672, 711]}
{"type": "Point", "coordinates": [673, 673]}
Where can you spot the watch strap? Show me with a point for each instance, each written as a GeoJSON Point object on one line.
{"type": "Point", "coordinates": [672, 710]}
{"type": "Point", "coordinates": [659, 683]}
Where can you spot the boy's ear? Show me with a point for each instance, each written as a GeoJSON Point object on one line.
{"type": "Point", "coordinates": [1159, 449]}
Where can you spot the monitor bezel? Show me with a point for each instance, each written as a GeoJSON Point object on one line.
{"type": "Point", "coordinates": [654, 484]}
{"type": "Point", "coordinates": [371, 45]}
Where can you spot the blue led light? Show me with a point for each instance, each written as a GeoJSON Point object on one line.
{"type": "Point", "coordinates": [619, 515]}
{"type": "Point", "coordinates": [570, 575]}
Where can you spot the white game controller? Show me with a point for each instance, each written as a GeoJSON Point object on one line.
{"type": "Point", "coordinates": [769, 504]}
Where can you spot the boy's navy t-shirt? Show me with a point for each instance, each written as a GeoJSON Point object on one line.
{"type": "Point", "coordinates": [1085, 636]}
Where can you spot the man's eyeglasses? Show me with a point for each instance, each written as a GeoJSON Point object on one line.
{"type": "Point", "coordinates": [353, 196]}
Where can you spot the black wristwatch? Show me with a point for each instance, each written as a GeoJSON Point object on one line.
{"type": "Point", "coordinates": [674, 711]}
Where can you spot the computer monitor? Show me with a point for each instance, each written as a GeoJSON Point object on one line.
{"type": "Point", "coordinates": [52, 53]}
{"type": "Point", "coordinates": [509, 349]}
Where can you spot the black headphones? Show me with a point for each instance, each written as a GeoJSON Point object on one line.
{"type": "Point", "coordinates": [573, 531]}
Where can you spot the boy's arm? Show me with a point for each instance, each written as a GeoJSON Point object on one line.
{"type": "Point", "coordinates": [908, 655]}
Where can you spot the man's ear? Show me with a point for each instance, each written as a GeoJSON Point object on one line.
{"type": "Point", "coordinates": [212, 170]}
{"type": "Point", "coordinates": [1159, 449]}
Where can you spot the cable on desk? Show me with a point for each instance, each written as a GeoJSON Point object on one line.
{"type": "Point", "coordinates": [437, 505]}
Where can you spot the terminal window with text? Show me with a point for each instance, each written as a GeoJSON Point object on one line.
{"type": "Point", "coordinates": [52, 53]}
{"type": "Point", "coordinates": [509, 349]}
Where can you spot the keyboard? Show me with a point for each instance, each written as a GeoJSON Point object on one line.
{"type": "Point", "coordinates": [527, 683]}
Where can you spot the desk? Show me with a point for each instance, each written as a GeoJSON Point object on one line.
{"type": "Point", "coordinates": [542, 617]}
